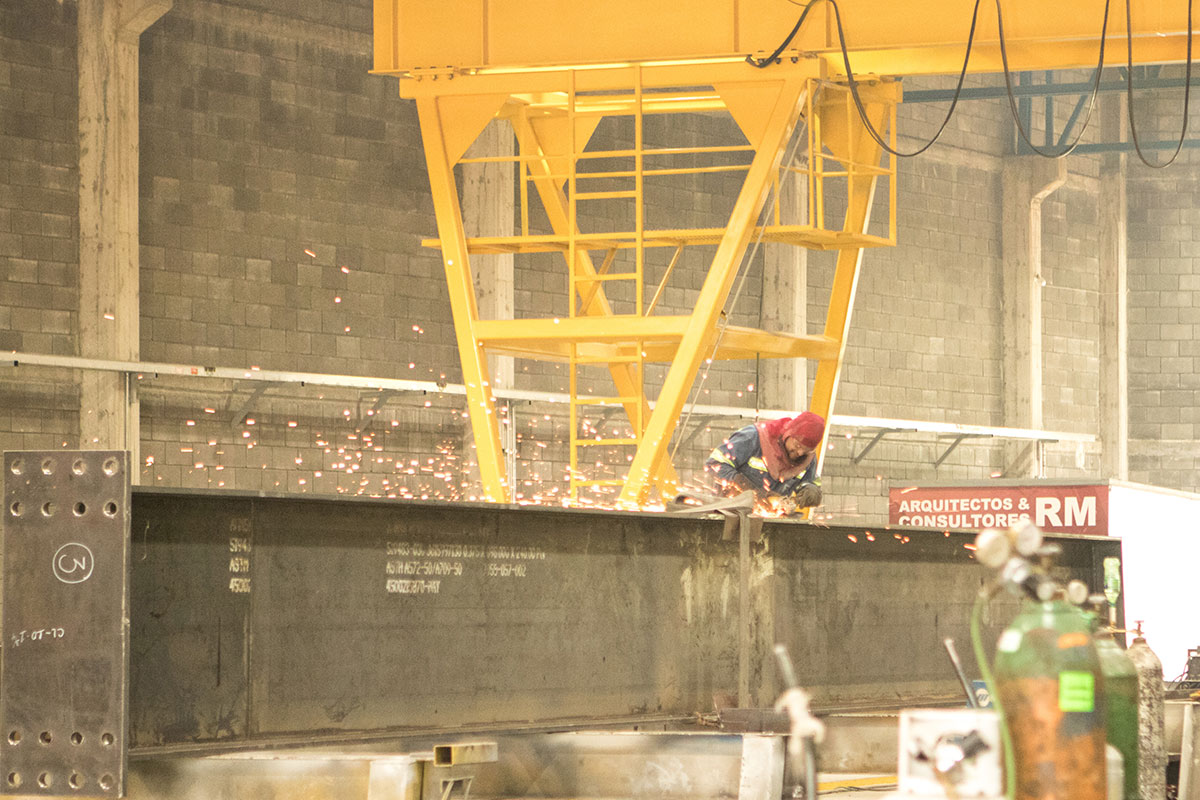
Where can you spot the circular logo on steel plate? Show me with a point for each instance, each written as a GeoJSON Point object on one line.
{"type": "Point", "coordinates": [73, 563]}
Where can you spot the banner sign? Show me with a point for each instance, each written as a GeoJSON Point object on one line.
{"type": "Point", "coordinates": [1054, 509]}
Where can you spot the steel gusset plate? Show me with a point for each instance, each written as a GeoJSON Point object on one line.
{"type": "Point", "coordinates": [63, 698]}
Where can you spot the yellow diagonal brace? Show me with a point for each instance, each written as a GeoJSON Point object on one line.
{"type": "Point", "coordinates": [435, 127]}
{"type": "Point", "coordinates": [847, 139]}
{"type": "Point", "coordinates": [555, 134]}
{"type": "Point", "coordinates": [624, 376]}
{"type": "Point", "coordinates": [701, 330]}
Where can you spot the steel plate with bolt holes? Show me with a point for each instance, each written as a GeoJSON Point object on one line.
{"type": "Point", "coordinates": [63, 698]}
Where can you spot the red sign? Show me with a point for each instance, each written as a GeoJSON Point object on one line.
{"type": "Point", "coordinates": [1054, 509]}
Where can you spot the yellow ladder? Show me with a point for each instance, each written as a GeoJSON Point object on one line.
{"type": "Point", "coordinates": [585, 288]}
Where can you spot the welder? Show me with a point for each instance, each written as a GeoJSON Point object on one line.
{"type": "Point", "coordinates": [775, 459]}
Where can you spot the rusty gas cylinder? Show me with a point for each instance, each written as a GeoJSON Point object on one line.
{"type": "Point", "coordinates": [1049, 681]}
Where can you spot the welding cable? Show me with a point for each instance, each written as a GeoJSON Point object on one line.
{"type": "Point", "coordinates": [853, 83]}
{"type": "Point", "coordinates": [1010, 764]}
{"type": "Point", "coordinates": [1012, 100]}
{"type": "Point", "coordinates": [1187, 88]}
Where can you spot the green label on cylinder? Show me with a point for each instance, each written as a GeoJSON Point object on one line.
{"type": "Point", "coordinates": [1076, 691]}
{"type": "Point", "coordinates": [1112, 580]}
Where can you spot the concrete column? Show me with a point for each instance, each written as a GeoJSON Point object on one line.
{"type": "Point", "coordinates": [1114, 322]}
{"type": "Point", "coordinates": [108, 214]}
{"type": "Point", "coordinates": [1023, 179]}
{"type": "Point", "coordinates": [488, 210]}
{"type": "Point", "coordinates": [783, 383]}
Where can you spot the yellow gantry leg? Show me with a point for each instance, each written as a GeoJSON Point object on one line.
{"type": "Point", "coordinates": [848, 140]}
{"type": "Point", "coordinates": [436, 129]}
{"type": "Point", "coordinates": [701, 331]}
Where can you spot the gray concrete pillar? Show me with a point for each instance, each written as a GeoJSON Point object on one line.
{"type": "Point", "coordinates": [488, 209]}
{"type": "Point", "coordinates": [1023, 179]}
{"type": "Point", "coordinates": [1114, 321]}
{"type": "Point", "coordinates": [783, 383]}
{"type": "Point", "coordinates": [108, 214]}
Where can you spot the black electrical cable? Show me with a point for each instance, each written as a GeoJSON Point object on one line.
{"type": "Point", "coordinates": [1187, 89]}
{"type": "Point", "coordinates": [762, 63]}
{"type": "Point", "coordinates": [862, 111]}
{"type": "Point", "coordinates": [1012, 100]}
{"type": "Point", "coordinates": [771, 59]}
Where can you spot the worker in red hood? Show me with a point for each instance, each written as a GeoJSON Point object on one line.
{"type": "Point", "coordinates": [775, 459]}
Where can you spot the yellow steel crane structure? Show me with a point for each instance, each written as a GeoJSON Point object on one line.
{"type": "Point", "coordinates": [557, 68]}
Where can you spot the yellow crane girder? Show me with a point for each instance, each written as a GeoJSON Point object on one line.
{"type": "Point", "coordinates": [914, 37]}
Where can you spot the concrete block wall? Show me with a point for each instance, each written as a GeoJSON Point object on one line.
{"type": "Point", "coordinates": [283, 200]}
{"type": "Point", "coordinates": [925, 340]}
{"type": "Point", "coordinates": [927, 332]}
{"type": "Point", "coordinates": [1071, 334]}
{"type": "Point", "coordinates": [1164, 319]}
{"type": "Point", "coordinates": [39, 220]}
{"type": "Point", "coordinates": [1164, 295]}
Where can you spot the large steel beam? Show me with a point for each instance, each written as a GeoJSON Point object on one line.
{"type": "Point", "coordinates": [292, 619]}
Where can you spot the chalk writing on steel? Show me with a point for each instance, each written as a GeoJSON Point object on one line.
{"type": "Point", "coordinates": [239, 560]}
{"type": "Point", "coordinates": [441, 560]}
{"type": "Point", "coordinates": [39, 635]}
{"type": "Point", "coordinates": [401, 586]}
{"type": "Point", "coordinates": [73, 563]}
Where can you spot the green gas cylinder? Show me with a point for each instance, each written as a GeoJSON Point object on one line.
{"type": "Point", "coordinates": [1121, 706]}
{"type": "Point", "coordinates": [1049, 681]}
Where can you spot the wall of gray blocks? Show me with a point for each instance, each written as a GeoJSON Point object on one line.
{"type": "Point", "coordinates": [283, 203]}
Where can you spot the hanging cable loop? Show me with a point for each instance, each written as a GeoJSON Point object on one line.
{"type": "Point", "coordinates": [853, 83]}
{"type": "Point", "coordinates": [762, 63]}
{"type": "Point", "coordinates": [1012, 100]}
{"type": "Point", "coordinates": [1187, 89]}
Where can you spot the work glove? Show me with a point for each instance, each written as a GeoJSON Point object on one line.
{"type": "Point", "coordinates": [807, 496]}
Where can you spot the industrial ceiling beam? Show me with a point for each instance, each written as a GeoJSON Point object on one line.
{"type": "Point", "coordinates": [917, 37]}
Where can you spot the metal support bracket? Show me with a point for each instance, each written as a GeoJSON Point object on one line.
{"type": "Point", "coordinates": [1021, 458]}
{"type": "Point", "coordinates": [64, 697]}
{"type": "Point", "coordinates": [958, 439]}
{"type": "Point", "coordinates": [240, 414]}
{"type": "Point", "coordinates": [882, 432]}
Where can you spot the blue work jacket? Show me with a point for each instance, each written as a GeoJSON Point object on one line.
{"type": "Point", "coordinates": [742, 453]}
